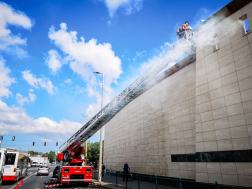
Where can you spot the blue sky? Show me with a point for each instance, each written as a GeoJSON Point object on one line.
{"type": "Point", "coordinates": [49, 49]}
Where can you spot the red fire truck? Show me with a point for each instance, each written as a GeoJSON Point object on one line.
{"type": "Point", "coordinates": [72, 169]}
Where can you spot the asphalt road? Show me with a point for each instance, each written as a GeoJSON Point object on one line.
{"type": "Point", "coordinates": [32, 181]}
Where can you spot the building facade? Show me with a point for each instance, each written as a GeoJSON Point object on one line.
{"type": "Point", "coordinates": [196, 123]}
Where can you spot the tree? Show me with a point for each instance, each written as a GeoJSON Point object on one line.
{"type": "Point", "coordinates": [32, 153]}
{"type": "Point", "coordinates": [52, 156]}
{"type": "Point", "coordinates": [93, 151]}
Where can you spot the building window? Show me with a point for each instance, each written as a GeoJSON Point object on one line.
{"type": "Point", "coordinates": [244, 19]}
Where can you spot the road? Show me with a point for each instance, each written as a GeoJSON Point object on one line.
{"type": "Point", "coordinates": [32, 181]}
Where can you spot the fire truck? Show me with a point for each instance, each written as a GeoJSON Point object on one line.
{"type": "Point", "coordinates": [72, 169]}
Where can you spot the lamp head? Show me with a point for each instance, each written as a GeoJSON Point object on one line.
{"type": "Point", "coordinates": [97, 72]}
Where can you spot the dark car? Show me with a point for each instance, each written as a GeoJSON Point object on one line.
{"type": "Point", "coordinates": [56, 171]}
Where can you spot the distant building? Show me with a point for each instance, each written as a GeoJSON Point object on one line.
{"type": "Point", "coordinates": [39, 159]}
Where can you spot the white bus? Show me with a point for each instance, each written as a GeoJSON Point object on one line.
{"type": "Point", "coordinates": [15, 166]}
{"type": "Point", "coordinates": [2, 159]}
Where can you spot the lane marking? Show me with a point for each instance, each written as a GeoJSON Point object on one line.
{"type": "Point", "coordinates": [23, 180]}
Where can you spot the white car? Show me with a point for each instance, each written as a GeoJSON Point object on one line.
{"type": "Point", "coordinates": [43, 170]}
{"type": "Point", "coordinates": [34, 164]}
{"type": "Point", "coordinates": [29, 165]}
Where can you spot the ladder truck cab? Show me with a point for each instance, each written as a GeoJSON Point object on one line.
{"type": "Point", "coordinates": [72, 169]}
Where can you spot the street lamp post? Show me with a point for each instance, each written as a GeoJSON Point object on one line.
{"type": "Point", "coordinates": [101, 131]}
{"type": "Point", "coordinates": [1, 140]}
{"type": "Point", "coordinates": [86, 140]}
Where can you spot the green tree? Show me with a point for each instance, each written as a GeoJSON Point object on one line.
{"type": "Point", "coordinates": [93, 150]}
{"type": "Point", "coordinates": [51, 156]}
{"type": "Point", "coordinates": [32, 153]}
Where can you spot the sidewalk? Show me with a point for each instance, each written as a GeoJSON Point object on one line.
{"type": "Point", "coordinates": [107, 185]}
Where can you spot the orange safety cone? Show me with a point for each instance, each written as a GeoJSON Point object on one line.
{"type": "Point", "coordinates": [22, 182]}
{"type": "Point", "coordinates": [16, 186]}
{"type": "Point", "coordinates": [19, 184]}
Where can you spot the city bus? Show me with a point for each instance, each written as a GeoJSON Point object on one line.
{"type": "Point", "coordinates": [2, 158]}
{"type": "Point", "coordinates": [15, 166]}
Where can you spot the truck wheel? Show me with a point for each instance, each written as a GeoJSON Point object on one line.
{"type": "Point", "coordinates": [66, 156]}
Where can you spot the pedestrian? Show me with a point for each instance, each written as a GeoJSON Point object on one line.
{"type": "Point", "coordinates": [103, 169]}
{"type": "Point", "coordinates": [126, 171]}
{"type": "Point", "coordinates": [95, 166]}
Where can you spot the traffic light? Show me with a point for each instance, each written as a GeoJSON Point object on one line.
{"type": "Point", "coordinates": [56, 143]}
{"type": "Point", "coordinates": [33, 143]}
{"type": "Point", "coordinates": [45, 144]}
{"type": "Point", "coordinates": [13, 138]}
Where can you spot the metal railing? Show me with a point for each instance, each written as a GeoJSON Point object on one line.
{"type": "Point", "coordinates": [140, 181]}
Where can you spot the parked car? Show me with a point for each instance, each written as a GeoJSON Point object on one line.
{"type": "Point", "coordinates": [43, 170]}
{"type": "Point", "coordinates": [56, 171]}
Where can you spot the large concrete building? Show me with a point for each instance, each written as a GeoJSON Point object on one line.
{"type": "Point", "coordinates": [197, 122]}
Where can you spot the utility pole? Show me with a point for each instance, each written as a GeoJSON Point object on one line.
{"type": "Point", "coordinates": [101, 132]}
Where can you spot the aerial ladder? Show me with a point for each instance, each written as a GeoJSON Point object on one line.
{"type": "Point", "coordinates": [69, 155]}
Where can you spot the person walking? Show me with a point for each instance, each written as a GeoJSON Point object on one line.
{"type": "Point", "coordinates": [103, 169]}
{"type": "Point", "coordinates": [126, 171]}
{"type": "Point", "coordinates": [95, 166]}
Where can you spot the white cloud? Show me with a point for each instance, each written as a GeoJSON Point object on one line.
{"type": "Point", "coordinates": [53, 60]}
{"type": "Point", "coordinates": [5, 79]}
{"type": "Point", "coordinates": [78, 89]}
{"type": "Point", "coordinates": [15, 120]}
{"type": "Point", "coordinates": [21, 100]}
{"type": "Point", "coordinates": [32, 97]}
{"type": "Point", "coordinates": [129, 6]}
{"type": "Point", "coordinates": [46, 140]}
{"type": "Point", "coordinates": [139, 55]}
{"type": "Point", "coordinates": [31, 90]}
{"type": "Point", "coordinates": [61, 140]}
{"type": "Point", "coordinates": [68, 81]}
{"type": "Point", "coordinates": [8, 41]}
{"type": "Point", "coordinates": [43, 82]}
{"type": "Point", "coordinates": [86, 57]}
{"type": "Point", "coordinates": [94, 108]}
